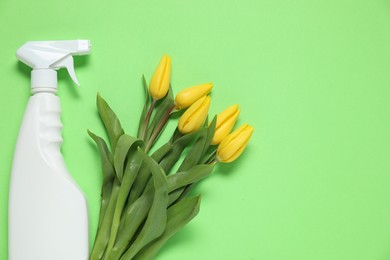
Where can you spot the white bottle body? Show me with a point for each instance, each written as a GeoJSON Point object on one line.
{"type": "Point", "coordinates": [48, 216]}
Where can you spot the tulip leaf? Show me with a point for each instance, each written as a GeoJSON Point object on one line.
{"type": "Point", "coordinates": [110, 120]}
{"type": "Point", "coordinates": [103, 234]}
{"type": "Point", "coordinates": [160, 153]}
{"type": "Point", "coordinates": [165, 105]}
{"type": "Point", "coordinates": [136, 212]}
{"type": "Point", "coordinates": [200, 147]}
{"type": "Point", "coordinates": [176, 135]}
{"type": "Point", "coordinates": [108, 173]}
{"type": "Point", "coordinates": [173, 156]}
{"type": "Point", "coordinates": [157, 217]}
{"type": "Point", "coordinates": [210, 135]}
{"type": "Point", "coordinates": [178, 146]}
{"type": "Point", "coordinates": [184, 140]}
{"type": "Point", "coordinates": [194, 157]}
{"type": "Point", "coordinates": [124, 145]}
{"type": "Point", "coordinates": [178, 182]}
{"type": "Point", "coordinates": [137, 207]}
{"type": "Point", "coordinates": [144, 173]}
{"type": "Point", "coordinates": [178, 216]}
{"type": "Point", "coordinates": [127, 148]}
{"type": "Point", "coordinates": [148, 100]}
{"type": "Point", "coordinates": [176, 195]}
{"type": "Point", "coordinates": [134, 215]}
{"type": "Point", "coordinates": [189, 176]}
{"type": "Point", "coordinates": [110, 190]}
{"type": "Point", "coordinates": [182, 182]}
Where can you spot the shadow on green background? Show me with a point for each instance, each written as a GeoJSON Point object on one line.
{"type": "Point", "coordinates": [312, 77]}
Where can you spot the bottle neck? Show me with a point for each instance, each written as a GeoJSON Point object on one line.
{"type": "Point", "coordinates": [35, 91]}
{"type": "Point", "coordinates": [43, 80]}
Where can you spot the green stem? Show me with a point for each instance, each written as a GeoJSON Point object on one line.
{"type": "Point", "coordinates": [103, 234]}
{"type": "Point", "coordinates": [147, 119]}
{"type": "Point", "coordinates": [211, 157]}
{"type": "Point", "coordinates": [156, 132]}
{"type": "Point", "coordinates": [131, 173]}
{"type": "Point", "coordinates": [133, 217]}
{"type": "Point", "coordinates": [215, 161]}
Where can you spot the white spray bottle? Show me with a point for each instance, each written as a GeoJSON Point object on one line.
{"type": "Point", "coordinates": [47, 218]}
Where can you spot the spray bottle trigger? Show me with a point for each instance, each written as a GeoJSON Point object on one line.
{"type": "Point", "coordinates": [68, 64]}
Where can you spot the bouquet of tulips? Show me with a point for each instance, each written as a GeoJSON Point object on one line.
{"type": "Point", "coordinates": [144, 203]}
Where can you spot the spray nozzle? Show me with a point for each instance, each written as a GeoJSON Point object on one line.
{"type": "Point", "coordinates": [45, 57]}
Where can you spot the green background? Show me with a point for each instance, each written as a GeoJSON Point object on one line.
{"type": "Point", "coordinates": [312, 77]}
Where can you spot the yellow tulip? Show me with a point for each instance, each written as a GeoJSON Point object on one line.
{"type": "Point", "coordinates": [193, 118]}
{"type": "Point", "coordinates": [188, 96]}
{"type": "Point", "coordinates": [234, 144]}
{"type": "Point", "coordinates": [225, 123]}
{"type": "Point", "coordinates": [159, 84]}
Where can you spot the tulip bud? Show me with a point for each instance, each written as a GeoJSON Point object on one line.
{"type": "Point", "coordinates": [193, 118]}
{"type": "Point", "coordinates": [234, 144]}
{"type": "Point", "coordinates": [188, 96]}
{"type": "Point", "coordinates": [225, 123]}
{"type": "Point", "coordinates": [159, 84]}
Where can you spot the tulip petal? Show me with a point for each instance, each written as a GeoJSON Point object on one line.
{"type": "Point", "coordinates": [194, 116]}
{"type": "Point", "coordinates": [188, 96]}
{"type": "Point", "coordinates": [159, 83]}
{"type": "Point", "coordinates": [225, 123]}
{"type": "Point", "coordinates": [233, 145]}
